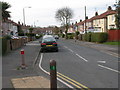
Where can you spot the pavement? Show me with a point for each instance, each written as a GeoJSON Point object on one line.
{"type": "Point", "coordinates": [29, 78]}
{"type": "Point", "coordinates": [31, 82]}
{"type": "Point", "coordinates": [13, 76]}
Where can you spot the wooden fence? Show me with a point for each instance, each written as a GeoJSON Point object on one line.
{"type": "Point", "coordinates": [113, 35]}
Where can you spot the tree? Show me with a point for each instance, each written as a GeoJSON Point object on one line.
{"type": "Point", "coordinates": [56, 30]}
{"type": "Point", "coordinates": [118, 15]}
{"type": "Point", "coordinates": [30, 30]}
{"type": "Point", "coordinates": [64, 15]}
{"type": "Point", "coordinates": [5, 13]}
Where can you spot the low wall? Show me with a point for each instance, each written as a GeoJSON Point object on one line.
{"type": "Point", "coordinates": [113, 35]}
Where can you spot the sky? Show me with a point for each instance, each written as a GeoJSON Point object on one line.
{"type": "Point", "coordinates": [42, 12]}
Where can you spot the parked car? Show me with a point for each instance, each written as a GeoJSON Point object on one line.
{"type": "Point", "coordinates": [49, 43]}
{"type": "Point", "coordinates": [56, 36]}
{"type": "Point", "coordinates": [15, 37]}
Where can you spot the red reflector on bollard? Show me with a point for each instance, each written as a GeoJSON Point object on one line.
{"type": "Point", "coordinates": [22, 52]}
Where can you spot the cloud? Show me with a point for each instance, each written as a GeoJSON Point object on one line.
{"type": "Point", "coordinates": [44, 10]}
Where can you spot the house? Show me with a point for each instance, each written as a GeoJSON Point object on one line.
{"type": "Point", "coordinates": [71, 29]}
{"type": "Point", "coordinates": [101, 23]}
{"type": "Point", "coordinates": [9, 28]}
{"type": "Point", "coordinates": [81, 27]}
{"type": "Point", "coordinates": [111, 20]}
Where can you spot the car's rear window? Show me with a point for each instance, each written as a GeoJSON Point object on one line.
{"type": "Point", "coordinates": [49, 40]}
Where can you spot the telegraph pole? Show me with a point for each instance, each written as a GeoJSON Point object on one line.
{"type": "Point", "coordinates": [85, 20]}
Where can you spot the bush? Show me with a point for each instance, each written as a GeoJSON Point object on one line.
{"type": "Point", "coordinates": [99, 37]}
{"type": "Point", "coordinates": [7, 37]}
{"type": "Point", "coordinates": [20, 34]}
{"type": "Point", "coordinates": [30, 34]}
{"type": "Point", "coordinates": [70, 36]}
{"type": "Point", "coordinates": [87, 37]}
{"type": "Point", "coordinates": [63, 35]}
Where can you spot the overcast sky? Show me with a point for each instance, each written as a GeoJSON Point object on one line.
{"type": "Point", "coordinates": [42, 12]}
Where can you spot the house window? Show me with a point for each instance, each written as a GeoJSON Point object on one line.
{"type": "Point", "coordinates": [113, 18]}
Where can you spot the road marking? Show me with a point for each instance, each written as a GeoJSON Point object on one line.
{"type": "Point", "coordinates": [71, 50]}
{"type": "Point", "coordinates": [65, 78]}
{"type": "Point", "coordinates": [65, 46]}
{"type": "Point", "coordinates": [68, 81]}
{"type": "Point", "coordinates": [76, 54]}
{"type": "Point", "coordinates": [108, 68]}
{"type": "Point", "coordinates": [82, 57]}
{"type": "Point", "coordinates": [72, 80]}
{"type": "Point", "coordinates": [40, 63]}
{"type": "Point", "coordinates": [101, 61]}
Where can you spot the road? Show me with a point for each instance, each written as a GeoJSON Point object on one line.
{"type": "Point", "coordinates": [82, 67]}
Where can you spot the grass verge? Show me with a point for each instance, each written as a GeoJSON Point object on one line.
{"type": "Point", "coordinates": [112, 43]}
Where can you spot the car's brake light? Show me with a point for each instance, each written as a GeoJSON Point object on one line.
{"type": "Point", "coordinates": [43, 43]}
{"type": "Point", "coordinates": [54, 43]}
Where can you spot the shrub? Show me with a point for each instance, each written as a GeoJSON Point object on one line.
{"type": "Point", "coordinates": [87, 37]}
{"type": "Point", "coordinates": [20, 34]}
{"type": "Point", "coordinates": [30, 34]}
{"type": "Point", "coordinates": [99, 37]}
{"type": "Point", "coordinates": [7, 37]}
{"type": "Point", "coordinates": [63, 35]}
{"type": "Point", "coordinates": [70, 36]}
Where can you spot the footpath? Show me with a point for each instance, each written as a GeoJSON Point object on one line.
{"type": "Point", "coordinates": [109, 49]}
{"type": "Point", "coordinates": [15, 77]}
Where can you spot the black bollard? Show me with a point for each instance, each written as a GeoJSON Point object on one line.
{"type": "Point", "coordinates": [53, 76]}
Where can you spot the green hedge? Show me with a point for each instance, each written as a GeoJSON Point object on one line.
{"type": "Point", "coordinates": [30, 34]}
{"type": "Point", "coordinates": [87, 37]}
{"type": "Point", "coordinates": [99, 37]}
{"type": "Point", "coordinates": [70, 36]}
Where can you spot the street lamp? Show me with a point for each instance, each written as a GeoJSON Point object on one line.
{"type": "Point", "coordinates": [24, 14]}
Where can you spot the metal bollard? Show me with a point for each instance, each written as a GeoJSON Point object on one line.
{"type": "Point", "coordinates": [23, 59]}
{"type": "Point", "coordinates": [53, 76]}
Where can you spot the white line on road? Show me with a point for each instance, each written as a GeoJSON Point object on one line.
{"type": "Point", "coordinates": [82, 57]}
{"type": "Point", "coordinates": [65, 46]}
{"type": "Point", "coordinates": [101, 61]}
{"type": "Point", "coordinates": [40, 66]}
{"type": "Point", "coordinates": [108, 68]}
{"type": "Point", "coordinates": [71, 50]}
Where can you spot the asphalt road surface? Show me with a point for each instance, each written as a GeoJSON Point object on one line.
{"type": "Point", "coordinates": [82, 67]}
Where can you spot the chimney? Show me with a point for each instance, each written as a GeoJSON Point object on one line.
{"type": "Point", "coordinates": [96, 13]}
{"type": "Point", "coordinates": [76, 22]}
{"type": "Point", "coordinates": [86, 17]}
{"type": "Point", "coordinates": [109, 8]}
{"type": "Point", "coordinates": [19, 22]}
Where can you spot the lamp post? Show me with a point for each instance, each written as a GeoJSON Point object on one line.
{"type": "Point", "coordinates": [24, 14]}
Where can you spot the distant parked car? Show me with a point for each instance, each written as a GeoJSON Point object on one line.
{"type": "Point", "coordinates": [56, 36]}
{"type": "Point", "coordinates": [15, 37]}
{"type": "Point", "coordinates": [49, 43]}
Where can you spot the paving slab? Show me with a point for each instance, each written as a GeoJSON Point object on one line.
{"type": "Point", "coordinates": [31, 82]}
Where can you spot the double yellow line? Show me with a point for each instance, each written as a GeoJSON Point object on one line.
{"type": "Point", "coordinates": [71, 81]}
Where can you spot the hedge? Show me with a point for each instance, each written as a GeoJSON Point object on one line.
{"type": "Point", "coordinates": [87, 37]}
{"type": "Point", "coordinates": [99, 37]}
